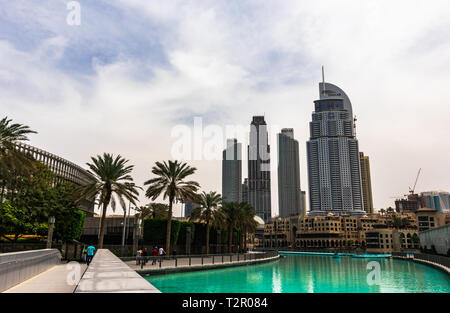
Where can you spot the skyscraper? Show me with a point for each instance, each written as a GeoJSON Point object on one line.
{"type": "Point", "coordinates": [189, 206]}
{"type": "Point", "coordinates": [259, 169]}
{"type": "Point", "coordinates": [333, 156]}
{"type": "Point", "coordinates": [245, 191]}
{"type": "Point", "coordinates": [366, 183]}
{"type": "Point", "coordinates": [232, 171]}
{"type": "Point", "coordinates": [289, 193]}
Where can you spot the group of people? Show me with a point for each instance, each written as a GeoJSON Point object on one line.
{"type": "Point", "coordinates": [142, 255]}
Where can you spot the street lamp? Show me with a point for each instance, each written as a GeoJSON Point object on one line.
{"type": "Point", "coordinates": [130, 186]}
{"type": "Point", "coordinates": [51, 223]}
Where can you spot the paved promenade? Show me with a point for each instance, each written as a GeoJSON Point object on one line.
{"type": "Point", "coordinates": [53, 280]}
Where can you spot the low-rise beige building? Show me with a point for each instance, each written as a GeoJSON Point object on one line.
{"type": "Point", "coordinates": [342, 232]}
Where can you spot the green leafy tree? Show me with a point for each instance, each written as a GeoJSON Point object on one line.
{"type": "Point", "coordinates": [63, 206]}
{"type": "Point", "coordinates": [112, 179]}
{"type": "Point", "coordinates": [15, 221]}
{"type": "Point", "coordinates": [171, 183]}
{"type": "Point", "coordinates": [208, 212]}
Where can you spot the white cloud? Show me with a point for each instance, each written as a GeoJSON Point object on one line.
{"type": "Point", "coordinates": [227, 61]}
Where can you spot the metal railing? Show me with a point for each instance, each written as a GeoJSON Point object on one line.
{"type": "Point", "coordinates": [197, 260]}
{"type": "Point", "coordinates": [438, 259]}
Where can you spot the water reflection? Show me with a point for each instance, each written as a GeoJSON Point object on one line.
{"type": "Point", "coordinates": [309, 274]}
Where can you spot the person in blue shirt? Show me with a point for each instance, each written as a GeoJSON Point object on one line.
{"type": "Point", "coordinates": [90, 254]}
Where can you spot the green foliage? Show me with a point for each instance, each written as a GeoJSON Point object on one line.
{"type": "Point", "coordinates": [182, 234]}
{"type": "Point", "coordinates": [155, 230]}
{"type": "Point", "coordinates": [33, 200]}
{"type": "Point", "coordinates": [15, 221]}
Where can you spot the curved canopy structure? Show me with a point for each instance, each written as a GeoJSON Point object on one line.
{"type": "Point", "coordinates": [330, 91]}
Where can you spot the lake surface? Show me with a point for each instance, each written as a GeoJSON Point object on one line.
{"type": "Point", "coordinates": [307, 274]}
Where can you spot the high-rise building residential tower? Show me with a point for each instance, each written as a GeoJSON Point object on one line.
{"type": "Point", "coordinates": [259, 169]}
{"type": "Point", "coordinates": [333, 156]}
{"type": "Point", "coordinates": [289, 193]}
{"type": "Point", "coordinates": [366, 183]}
{"type": "Point", "coordinates": [232, 172]}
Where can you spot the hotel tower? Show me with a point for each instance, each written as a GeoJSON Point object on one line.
{"type": "Point", "coordinates": [333, 156]}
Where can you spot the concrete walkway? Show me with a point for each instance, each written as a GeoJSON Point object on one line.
{"type": "Point", "coordinates": [62, 278]}
{"type": "Point", "coordinates": [196, 262]}
{"type": "Point", "coordinates": [107, 273]}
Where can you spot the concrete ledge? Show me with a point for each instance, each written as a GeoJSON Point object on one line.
{"type": "Point", "coordinates": [205, 267]}
{"type": "Point", "coordinates": [107, 273]}
{"type": "Point", "coordinates": [16, 267]}
{"type": "Point", "coordinates": [435, 265]}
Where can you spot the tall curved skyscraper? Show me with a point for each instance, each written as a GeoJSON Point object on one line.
{"type": "Point", "coordinates": [333, 156]}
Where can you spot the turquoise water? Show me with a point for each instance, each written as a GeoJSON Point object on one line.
{"type": "Point", "coordinates": [306, 274]}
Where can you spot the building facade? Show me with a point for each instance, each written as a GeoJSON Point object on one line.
{"type": "Point", "coordinates": [331, 232]}
{"type": "Point", "coordinates": [437, 238]}
{"type": "Point", "coordinates": [289, 192]}
{"type": "Point", "coordinates": [333, 156]}
{"type": "Point", "coordinates": [439, 200]}
{"type": "Point", "coordinates": [189, 206]}
{"type": "Point", "coordinates": [366, 183]}
{"type": "Point", "coordinates": [65, 171]}
{"type": "Point", "coordinates": [259, 191]}
{"type": "Point", "coordinates": [232, 172]}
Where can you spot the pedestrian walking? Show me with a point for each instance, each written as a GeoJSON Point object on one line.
{"type": "Point", "coordinates": [138, 257]}
{"type": "Point", "coordinates": [90, 254]}
{"type": "Point", "coordinates": [154, 254]}
{"type": "Point", "coordinates": [144, 257]}
{"type": "Point", "coordinates": [161, 253]}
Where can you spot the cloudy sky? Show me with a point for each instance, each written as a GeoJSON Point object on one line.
{"type": "Point", "coordinates": [135, 70]}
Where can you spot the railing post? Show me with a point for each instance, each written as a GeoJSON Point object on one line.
{"type": "Point", "coordinates": [202, 259]}
{"type": "Point", "coordinates": [176, 261]}
{"type": "Point", "coordinates": [222, 258]}
{"type": "Point", "coordinates": [189, 260]}
{"type": "Point", "coordinates": [231, 258]}
{"type": "Point", "coordinates": [213, 259]}
{"type": "Point", "coordinates": [238, 257]}
{"type": "Point", "coordinates": [160, 262]}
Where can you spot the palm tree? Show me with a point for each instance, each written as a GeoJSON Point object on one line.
{"type": "Point", "coordinates": [208, 212]}
{"type": "Point", "coordinates": [232, 212]}
{"type": "Point", "coordinates": [158, 210]}
{"type": "Point", "coordinates": [112, 179]}
{"type": "Point", "coordinates": [247, 222]}
{"type": "Point", "coordinates": [171, 183]}
{"type": "Point", "coordinates": [11, 159]}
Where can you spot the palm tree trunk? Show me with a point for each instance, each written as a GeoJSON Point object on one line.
{"type": "Point", "coordinates": [207, 237]}
{"type": "Point", "coordinates": [245, 240]}
{"type": "Point", "coordinates": [102, 222]}
{"type": "Point", "coordinates": [169, 226]}
{"type": "Point", "coordinates": [230, 238]}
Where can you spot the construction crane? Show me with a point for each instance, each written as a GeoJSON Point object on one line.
{"type": "Point", "coordinates": [411, 190]}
